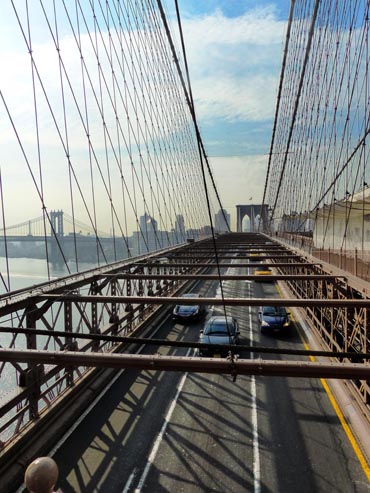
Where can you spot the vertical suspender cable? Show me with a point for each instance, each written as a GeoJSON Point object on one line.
{"type": "Point", "coordinates": [279, 99]}
{"type": "Point", "coordinates": [190, 101]}
{"type": "Point", "coordinates": [296, 104]}
{"type": "Point", "coordinates": [6, 285]}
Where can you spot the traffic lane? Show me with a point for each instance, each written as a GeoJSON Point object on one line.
{"type": "Point", "coordinates": [301, 435]}
{"type": "Point", "coordinates": [103, 451]}
{"type": "Point", "coordinates": [207, 444]}
{"type": "Point", "coordinates": [293, 444]}
{"type": "Point", "coordinates": [126, 457]}
{"type": "Point", "coordinates": [303, 445]}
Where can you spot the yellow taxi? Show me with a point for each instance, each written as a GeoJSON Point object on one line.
{"type": "Point", "coordinates": [255, 254]}
{"type": "Point", "coordinates": [262, 270]}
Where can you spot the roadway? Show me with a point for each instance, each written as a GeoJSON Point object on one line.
{"type": "Point", "coordinates": [167, 432]}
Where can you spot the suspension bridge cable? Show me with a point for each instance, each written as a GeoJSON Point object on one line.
{"type": "Point", "coordinates": [296, 104]}
{"type": "Point", "coordinates": [112, 138]}
{"type": "Point", "coordinates": [192, 109]}
{"type": "Point", "coordinates": [6, 284]}
{"type": "Point", "coordinates": [189, 102]}
{"type": "Point", "coordinates": [34, 180]}
{"type": "Point", "coordinates": [278, 100]}
{"type": "Point", "coordinates": [37, 139]}
{"type": "Point", "coordinates": [321, 186]}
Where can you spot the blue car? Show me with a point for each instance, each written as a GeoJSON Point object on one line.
{"type": "Point", "coordinates": [273, 318]}
{"type": "Point", "coordinates": [188, 313]}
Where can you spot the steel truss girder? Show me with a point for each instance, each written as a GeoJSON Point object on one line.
{"type": "Point", "coordinates": [231, 365]}
{"type": "Point", "coordinates": [229, 257]}
{"type": "Point", "coordinates": [235, 264]}
{"type": "Point", "coordinates": [342, 321]}
{"type": "Point", "coordinates": [226, 277]}
{"type": "Point", "coordinates": [165, 342]}
{"type": "Point", "coordinates": [162, 300]}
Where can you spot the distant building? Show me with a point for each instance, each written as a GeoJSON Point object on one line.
{"type": "Point", "coordinates": [180, 232]}
{"type": "Point", "coordinates": [148, 235]}
{"type": "Point", "coordinates": [222, 221]}
{"type": "Point", "coordinates": [205, 232]}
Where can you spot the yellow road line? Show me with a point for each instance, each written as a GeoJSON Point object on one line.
{"type": "Point", "coordinates": [352, 440]}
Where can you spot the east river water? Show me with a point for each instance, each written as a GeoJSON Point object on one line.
{"type": "Point", "coordinates": [24, 272]}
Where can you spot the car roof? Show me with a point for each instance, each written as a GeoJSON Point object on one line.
{"type": "Point", "coordinates": [218, 319]}
{"type": "Point", "coordinates": [190, 295]}
{"type": "Point", "coordinates": [273, 308]}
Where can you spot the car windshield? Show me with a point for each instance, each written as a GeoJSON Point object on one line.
{"type": "Point", "coordinates": [219, 327]}
{"type": "Point", "coordinates": [274, 311]}
{"type": "Point", "coordinates": [188, 307]}
{"type": "Point", "coordinates": [262, 268]}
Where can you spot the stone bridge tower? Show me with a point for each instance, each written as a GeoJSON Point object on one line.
{"type": "Point", "coordinates": [252, 211]}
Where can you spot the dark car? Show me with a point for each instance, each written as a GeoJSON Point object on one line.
{"type": "Point", "coordinates": [219, 330]}
{"type": "Point", "coordinates": [274, 318]}
{"type": "Point", "coordinates": [188, 312]}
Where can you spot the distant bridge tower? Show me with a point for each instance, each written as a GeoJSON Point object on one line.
{"type": "Point", "coordinates": [252, 211]}
{"type": "Point", "coordinates": [56, 236]}
{"type": "Point", "coordinates": [56, 218]}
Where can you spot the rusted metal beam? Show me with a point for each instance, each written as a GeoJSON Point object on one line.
{"type": "Point", "coordinates": [227, 277]}
{"type": "Point", "coordinates": [192, 364]}
{"type": "Point", "coordinates": [187, 344]}
{"type": "Point", "coordinates": [233, 249]}
{"type": "Point", "coordinates": [223, 257]}
{"type": "Point", "coordinates": [239, 264]}
{"type": "Point", "coordinates": [161, 300]}
{"type": "Point", "coordinates": [6, 308]}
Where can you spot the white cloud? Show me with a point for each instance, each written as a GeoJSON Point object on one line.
{"type": "Point", "coordinates": [235, 63]}
{"type": "Point", "coordinates": [219, 29]}
{"type": "Point", "coordinates": [234, 99]}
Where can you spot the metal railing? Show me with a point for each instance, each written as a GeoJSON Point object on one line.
{"type": "Point", "coordinates": [354, 261]}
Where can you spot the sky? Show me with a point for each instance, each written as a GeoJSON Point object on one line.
{"type": "Point", "coordinates": [234, 50]}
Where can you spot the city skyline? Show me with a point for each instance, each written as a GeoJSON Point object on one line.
{"type": "Point", "coordinates": [70, 225]}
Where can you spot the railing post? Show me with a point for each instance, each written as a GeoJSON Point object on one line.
{"type": "Point", "coordinates": [158, 284]}
{"type": "Point", "coordinates": [141, 293]}
{"type": "Point", "coordinates": [94, 318]}
{"type": "Point", "coordinates": [128, 307]}
{"type": "Point", "coordinates": [69, 345]}
{"type": "Point", "coordinates": [41, 475]}
{"type": "Point", "coordinates": [150, 283]}
{"type": "Point", "coordinates": [114, 318]}
{"type": "Point", "coordinates": [150, 288]}
{"type": "Point", "coordinates": [165, 281]}
{"type": "Point", "coordinates": [355, 260]}
{"type": "Point", "coordinates": [32, 376]}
